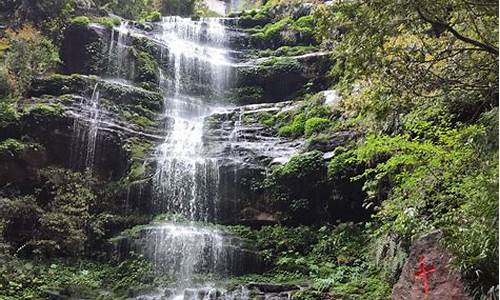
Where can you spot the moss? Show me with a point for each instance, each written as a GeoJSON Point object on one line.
{"type": "Point", "coordinates": [138, 150]}
{"type": "Point", "coordinates": [315, 125]}
{"type": "Point", "coordinates": [249, 20]}
{"type": "Point", "coordinates": [147, 68]}
{"type": "Point", "coordinates": [304, 25]}
{"type": "Point", "coordinates": [295, 128]}
{"type": "Point", "coordinates": [108, 22]}
{"type": "Point", "coordinates": [80, 21]}
{"type": "Point", "coordinates": [272, 30]}
{"type": "Point", "coordinates": [142, 121]}
{"type": "Point", "coordinates": [44, 110]}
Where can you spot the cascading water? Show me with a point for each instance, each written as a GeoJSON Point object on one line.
{"type": "Point", "coordinates": [117, 53]}
{"type": "Point", "coordinates": [196, 68]}
{"type": "Point", "coordinates": [85, 130]}
{"type": "Point", "coordinates": [186, 180]}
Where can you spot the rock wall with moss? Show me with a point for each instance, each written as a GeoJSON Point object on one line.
{"type": "Point", "coordinates": [391, 106]}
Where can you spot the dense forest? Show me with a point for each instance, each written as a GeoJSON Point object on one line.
{"type": "Point", "coordinates": [267, 149]}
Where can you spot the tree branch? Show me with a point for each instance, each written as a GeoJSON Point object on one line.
{"type": "Point", "coordinates": [458, 35]}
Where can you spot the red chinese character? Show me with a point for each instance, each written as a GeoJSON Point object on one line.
{"type": "Point", "coordinates": [423, 272]}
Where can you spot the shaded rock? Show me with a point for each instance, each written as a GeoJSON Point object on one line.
{"type": "Point", "coordinates": [83, 49]}
{"type": "Point", "coordinates": [23, 168]}
{"type": "Point", "coordinates": [271, 81]}
{"type": "Point", "coordinates": [331, 141]}
{"type": "Point", "coordinates": [118, 92]}
{"type": "Point", "coordinates": [429, 262]}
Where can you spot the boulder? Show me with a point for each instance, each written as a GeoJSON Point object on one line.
{"type": "Point", "coordinates": [428, 274]}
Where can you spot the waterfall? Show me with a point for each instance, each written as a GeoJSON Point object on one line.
{"type": "Point", "coordinates": [196, 66]}
{"type": "Point", "coordinates": [85, 131]}
{"type": "Point", "coordinates": [119, 65]}
{"type": "Point", "coordinates": [186, 181]}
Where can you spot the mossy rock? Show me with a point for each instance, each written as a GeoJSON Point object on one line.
{"type": "Point", "coordinates": [119, 94]}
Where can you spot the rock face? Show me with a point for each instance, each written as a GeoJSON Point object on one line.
{"type": "Point", "coordinates": [84, 49]}
{"type": "Point", "coordinates": [244, 149]}
{"type": "Point", "coordinates": [272, 81]}
{"type": "Point", "coordinates": [427, 273]}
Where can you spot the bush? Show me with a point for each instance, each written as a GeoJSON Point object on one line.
{"type": "Point", "coordinates": [315, 125]}
{"type": "Point", "coordinates": [109, 22]}
{"type": "Point", "coordinates": [80, 21]}
{"type": "Point", "coordinates": [154, 16]}
{"type": "Point", "coordinates": [30, 55]}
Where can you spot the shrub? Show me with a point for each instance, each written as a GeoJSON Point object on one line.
{"type": "Point", "coordinates": [30, 55]}
{"type": "Point", "coordinates": [109, 22]}
{"type": "Point", "coordinates": [10, 147]}
{"type": "Point", "coordinates": [154, 16]}
{"type": "Point", "coordinates": [315, 125]}
{"type": "Point", "coordinates": [80, 21]}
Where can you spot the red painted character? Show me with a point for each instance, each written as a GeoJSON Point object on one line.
{"type": "Point", "coordinates": [423, 272]}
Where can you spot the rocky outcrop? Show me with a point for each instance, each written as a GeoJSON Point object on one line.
{"type": "Point", "coordinates": [428, 274]}
{"type": "Point", "coordinates": [22, 168]}
{"type": "Point", "coordinates": [278, 79]}
{"type": "Point", "coordinates": [244, 149]}
{"type": "Point", "coordinates": [84, 49]}
{"type": "Point", "coordinates": [119, 92]}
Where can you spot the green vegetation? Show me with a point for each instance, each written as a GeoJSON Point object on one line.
{"type": "Point", "coordinates": [29, 55]}
{"type": "Point", "coordinates": [80, 21]}
{"type": "Point", "coordinates": [25, 279]}
{"type": "Point", "coordinates": [138, 150]}
{"type": "Point", "coordinates": [315, 125]}
{"type": "Point", "coordinates": [419, 87]}
{"type": "Point", "coordinates": [108, 22]}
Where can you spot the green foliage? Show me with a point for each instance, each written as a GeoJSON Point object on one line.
{"type": "Point", "coordinates": [57, 222]}
{"type": "Point", "coordinates": [80, 21]}
{"type": "Point", "coordinates": [29, 55]}
{"type": "Point", "coordinates": [315, 125]}
{"type": "Point", "coordinates": [108, 22]}
{"type": "Point", "coordinates": [11, 147]}
{"type": "Point", "coordinates": [333, 259]}
{"type": "Point", "coordinates": [26, 279]}
{"type": "Point", "coordinates": [147, 68]}
{"type": "Point", "coordinates": [295, 129]}
{"type": "Point", "coordinates": [310, 111]}
{"type": "Point", "coordinates": [8, 112]}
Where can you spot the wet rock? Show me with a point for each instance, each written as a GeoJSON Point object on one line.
{"type": "Point", "coordinates": [83, 49]}
{"type": "Point", "coordinates": [331, 141]}
{"type": "Point", "coordinates": [428, 273]}
{"type": "Point", "coordinates": [272, 81]}
{"type": "Point", "coordinates": [244, 149]}
{"type": "Point", "coordinates": [23, 168]}
{"type": "Point", "coordinates": [120, 93]}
